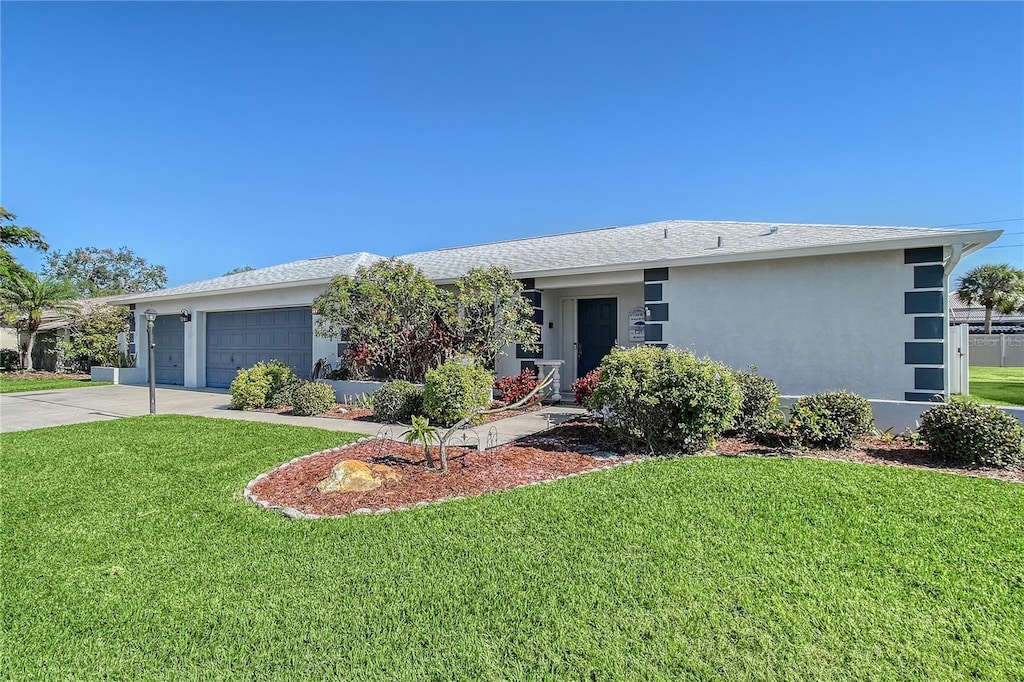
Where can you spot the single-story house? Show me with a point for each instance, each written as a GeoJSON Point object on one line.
{"type": "Point", "coordinates": [815, 307]}
{"type": "Point", "coordinates": [54, 327]}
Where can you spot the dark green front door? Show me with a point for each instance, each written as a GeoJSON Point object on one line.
{"type": "Point", "coordinates": [597, 331]}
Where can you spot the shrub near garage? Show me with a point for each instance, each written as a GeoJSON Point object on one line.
{"type": "Point", "coordinates": [665, 399]}
{"type": "Point", "coordinates": [253, 388]}
{"type": "Point", "coordinates": [456, 390]}
{"type": "Point", "coordinates": [312, 397]}
{"type": "Point", "coordinates": [397, 402]}
{"type": "Point", "coordinates": [968, 433]}
{"type": "Point", "coordinates": [835, 420]}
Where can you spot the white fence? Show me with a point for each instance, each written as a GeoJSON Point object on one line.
{"type": "Point", "coordinates": [997, 350]}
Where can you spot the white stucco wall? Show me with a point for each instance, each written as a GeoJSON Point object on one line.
{"type": "Point", "coordinates": [811, 324]}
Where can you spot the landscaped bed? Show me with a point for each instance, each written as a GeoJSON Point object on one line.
{"type": "Point", "coordinates": [567, 449]}
{"type": "Point", "coordinates": [129, 553]}
{"type": "Point", "coordinates": [472, 472]}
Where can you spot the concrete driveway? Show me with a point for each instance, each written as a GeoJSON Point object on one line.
{"type": "Point", "coordinates": [39, 409]}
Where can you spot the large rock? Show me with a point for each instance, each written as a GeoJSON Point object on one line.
{"type": "Point", "coordinates": [351, 475]}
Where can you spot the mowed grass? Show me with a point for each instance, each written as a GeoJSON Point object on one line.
{"type": "Point", "coordinates": [128, 553]}
{"type": "Point", "coordinates": [19, 385]}
{"type": "Point", "coordinates": [998, 385]}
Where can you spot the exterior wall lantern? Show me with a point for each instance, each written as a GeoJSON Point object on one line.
{"type": "Point", "coordinates": [186, 316]}
{"type": "Point", "coordinates": [150, 319]}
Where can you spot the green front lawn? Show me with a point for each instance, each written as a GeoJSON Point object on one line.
{"type": "Point", "coordinates": [8, 385]}
{"type": "Point", "coordinates": [997, 385]}
{"type": "Point", "coordinates": [128, 553]}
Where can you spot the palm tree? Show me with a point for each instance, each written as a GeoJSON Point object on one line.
{"type": "Point", "coordinates": [24, 298]}
{"type": "Point", "coordinates": [993, 286]}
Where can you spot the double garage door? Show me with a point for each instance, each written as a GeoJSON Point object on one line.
{"type": "Point", "coordinates": [236, 340]}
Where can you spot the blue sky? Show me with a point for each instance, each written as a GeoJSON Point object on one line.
{"type": "Point", "coordinates": [207, 136]}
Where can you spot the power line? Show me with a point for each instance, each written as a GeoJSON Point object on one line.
{"type": "Point", "coordinates": [983, 222]}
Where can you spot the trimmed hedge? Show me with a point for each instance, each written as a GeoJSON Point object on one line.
{"type": "Point", "coordinates": [396, 402]}
{"type": "Point", "coordinates": [665, 400]}
{"type": "Point", "coordinates": [312, 397]}
{"type": "Point", "coordinates": [456, 390]}
{"type": "Point", "coordinates": [834, 420]}
{"type": "Point", "coordinates": [759, 410]}
{"type": "Point", "coordinates": [968, 433]}
{"type": "Point", "coordinates": [252, 388]}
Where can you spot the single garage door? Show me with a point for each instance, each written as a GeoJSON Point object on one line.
{"type": "Point", "coordinates": [236, 340]}
{"type": "Point", "coordinates": [169, 337]}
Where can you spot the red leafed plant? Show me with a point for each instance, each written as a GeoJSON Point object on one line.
{"type": "Point", "coordinates": [585, 385]}
{"type": "Point", "coordinates": [515, 388]}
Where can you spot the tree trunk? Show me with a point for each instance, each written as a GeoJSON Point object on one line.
{"type": "Point", "coordinates": [27, 361]}
{"type": "Point", "coordinates": [988, 319]}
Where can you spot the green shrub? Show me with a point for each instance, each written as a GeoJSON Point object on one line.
{"type": "Point", "coordinates": [312, 397]}
{"type": "Point", "coordinates": [397, 402]}
{"type": "Point", "coordinates": [254, 387]}
{"type": "Point", "coordinates": [968, 433]}
{"type": "Point", "coordinates": [455, 390]}
{"type": "Point", "coordinates": [834, 420]}
{"type": "Point", "coordinates": [284, 394]}
{"type": "Point", "coordinates": [759, 410]}
{"type": "Point", "coordinates": [9, 359]}
{"type": "Point", "coordinates": [665, 400]}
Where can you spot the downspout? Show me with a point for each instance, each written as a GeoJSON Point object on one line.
{"type": "Point", "coordinates": [955, 254]}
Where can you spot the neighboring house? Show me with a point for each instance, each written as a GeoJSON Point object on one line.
{"type": "Point", "coordinates": [815, 307]}
{"type": "Point", "coordinates": [974, 317]}
{"type": "Point", "coordinates": [54, 328]}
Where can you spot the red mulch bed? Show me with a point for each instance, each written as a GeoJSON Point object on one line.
{"type": "Point", "coordinates": [471, 472]}
{"type": "Point", "coordinates": [898, 452]}
{"type": "Point", "coordinates": [540, 457]}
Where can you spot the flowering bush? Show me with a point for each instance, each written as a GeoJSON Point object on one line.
{"type": "Point", "coordinates": [585, 386]}
{"type": "Point", "coordinates": [515, 388]}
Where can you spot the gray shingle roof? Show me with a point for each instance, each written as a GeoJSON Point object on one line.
{"type": "Point", "coordinates": [651, 243]}
{"type": "Point", "coordinates": [311, 269]}
{"type": "Point", "coordinates": [638, 245]}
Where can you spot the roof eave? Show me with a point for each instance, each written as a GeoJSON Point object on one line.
{"type": "Point", "coordinates": [972, 240]}
{"type": "Point", "coordinates": [157, 296]}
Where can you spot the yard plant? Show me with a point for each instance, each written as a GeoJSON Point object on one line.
{"type": "Point", "coordinates": [835, 420]}
{"type": "Point", "coordinates": [152, 566]}
{"type": "Point", "coordinates": [665, 399]}
{"type": "Point", "coordinates": [968, 433]}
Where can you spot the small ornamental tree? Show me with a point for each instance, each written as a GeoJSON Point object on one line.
{"type": "Point", "coordinates": [92, 336]}
{"type": "Point", "coordinates": [397, 318]}
{"type": "Point", "coordinates": [492, 314]}
{"type": "Point", "coordinates": [399, 322]}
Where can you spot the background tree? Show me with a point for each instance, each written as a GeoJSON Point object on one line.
{"type": "Point", "coordinates": [12, 235]}
{"type": "Point", "coordinates": [244, 268]}
{"type": "Point", "coordinates": [392, 314]}
{"type": "Point", "coordinates": [492, 314]}
{"type": "Point", "coordinates": [102, 272]}
{"type": "Point", "coordinates": [25, 297]}
{"type": "Point", "coordinates": [994, 286]}
{"type": "Point", "coordinates": [92, 336]}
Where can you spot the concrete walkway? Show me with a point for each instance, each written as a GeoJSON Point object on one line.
{"type": "Point", "coordinates": [39, 409]}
